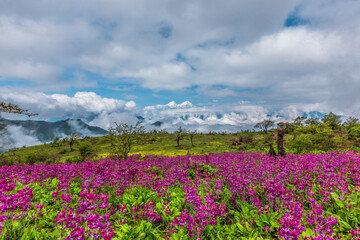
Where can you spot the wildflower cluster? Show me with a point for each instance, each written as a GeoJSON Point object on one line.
{"type": "Point", "coordinates": [230, 195]}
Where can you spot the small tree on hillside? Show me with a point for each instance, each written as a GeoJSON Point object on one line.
{"type": "Point", "coordinates": [351, 122]}
{"type": "Point", "coordinates": [332, 120]}
{"type": "Point", "coordinates": [287, 126]}
{"type": "Point", "coordinates": [312, 121]}
{"type": "Point", "coordinates": [180, 135]}
{"type": "Point", "coordinates": [72, 140]}
{"type": "Point", "coordinates": [85, 149]}
{"type": "Point", "coordinates": [299, 121]}
{"type": "Point", "coordinates": [55, 141]}
{"type": "Point", "coordinates": [126, 136]}
{"type": "Point", "coordinates": [265, 125]}
{"type": "Point", "coordinates": [111, 136]}
{"type": "Point", "coordinates": [192, 134]}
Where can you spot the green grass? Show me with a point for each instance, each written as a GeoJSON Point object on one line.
{"type": "Point", "coordinates": [165, 144]}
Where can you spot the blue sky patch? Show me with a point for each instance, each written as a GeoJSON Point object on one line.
{"type": "Point", "coordinates": [165, 31]}
{"type": "Point", "coordinates": [294, 19]}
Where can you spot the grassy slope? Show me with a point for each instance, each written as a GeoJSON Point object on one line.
{"type": "Point", "coordinates": [164, 144]}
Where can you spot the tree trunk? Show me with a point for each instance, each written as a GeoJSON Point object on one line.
{"type": "Point", "coordinates": [272, 152]}
{"type": "Point", "coordinates": [280, 143]}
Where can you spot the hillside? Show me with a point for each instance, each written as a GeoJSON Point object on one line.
{"type": "Point", "coordinates": [43, 132]}
{"type": "Point", "coordinates": [316, 138]}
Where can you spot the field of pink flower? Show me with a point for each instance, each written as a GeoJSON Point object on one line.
{"type": "Point", "coordinates": [216, 196]}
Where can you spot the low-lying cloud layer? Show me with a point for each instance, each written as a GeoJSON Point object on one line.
{"type": "Point", "coordinates": [15, 137]}
{"type": "Point", "coordinates": [104, 112]}
{"type": "Point", "coordinates": [60, 106]}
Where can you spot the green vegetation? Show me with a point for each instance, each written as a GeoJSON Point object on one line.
{"type": "Point", "coordinates": [116, 181]}
{"type": "Point", "coordinates": [124, 136]}
{"type": "Point", "coordinates": [303, 135]}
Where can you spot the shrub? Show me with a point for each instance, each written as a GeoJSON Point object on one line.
{"type": "Point", "coordinates": [302, 144]}
{"type": "Point", "coordinates": [354, 132]}
{"type": "Point", "coordinates": [75, 159]}
{"type": "Point", "coordinates": [6, 160]}
{"type": "Point", "coordinates": [85, 149]}
{"type": "Point", "coordinates": [124, 136]}
{"type": "Point", "coordinates": [36, 157]}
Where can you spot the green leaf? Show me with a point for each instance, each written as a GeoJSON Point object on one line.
{"type": "Point", "coordinates": [308, 233]}
{"type": "Point", "coordinates": [241, 228]}
{"type": "Point", "coordinates": [338, 202]}
{"type": "Point", "coordinates": [345, 225]}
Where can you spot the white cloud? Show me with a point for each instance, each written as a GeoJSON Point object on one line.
{"type": "Point", "coordinates": [240, 45]}
{"type": "Point", "coordinates": [107, 120]}
{"type": "Point", "coordinates": [104, 112]}
{"type": "Point", "coordinates": [38, 72]}
{"type": "Point", "coordinates": [15, 137]}
{"type": "Point", "coordinates": [170, 105]}
{"type": "Point", "coordinates": [81, 105]}
{"type": "Point", "coordinates": [168, 76]}
{"type": "Point", "coordinates": [226, 118]}
{"type": "Point", "coordinates": [114, 39]}
{"type": "Point", "coordinates": [40, 50]}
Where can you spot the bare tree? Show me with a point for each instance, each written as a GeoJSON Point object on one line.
{"type": "Point", "coordinates": [13, 108]}
{"type": "Point", "coordinates": [265, 125]}
{"type": "Point", "coordinates": [180, 135]}
{"type": "Point", "coordinates": [72, 140]}
{"type": "Point", "coordinates": [192, 134]}
{"type": "Point", "coordinates": [125, 136]}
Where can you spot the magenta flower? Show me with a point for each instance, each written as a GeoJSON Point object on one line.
{"type": "Point", "coordinates": [107, 234]}
{"type": "Point", "coordinates": [55, 194]}
{"type": "Point", "coordinates": [66, 197]}
{"type": "Point", "coordinates": [39, 206]}
{"type": "Point", "coordinates": [103, 204]}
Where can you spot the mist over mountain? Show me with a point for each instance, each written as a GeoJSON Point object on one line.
{"type": "Point", "coordinates": [167, 117]}
{"type": "Point", "coordinates": [20, 133]}
{"type": "Point", "coordinates": [218, 119]}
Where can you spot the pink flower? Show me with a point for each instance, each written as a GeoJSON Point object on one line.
{"type": "Point", "coordinates": [55, 194]}
{"type": "Point", "coordinates": [107, 234]}
{"type": "Point", "coordinates": [66, 197]}
{"type": "Point", "coordinates": [39, 206]}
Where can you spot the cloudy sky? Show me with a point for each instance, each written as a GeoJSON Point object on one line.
{"type": "Point", "coordinates": [203, 62]}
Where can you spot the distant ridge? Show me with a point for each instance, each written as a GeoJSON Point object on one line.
{"type": "Point", "coordinates": [47, 131]}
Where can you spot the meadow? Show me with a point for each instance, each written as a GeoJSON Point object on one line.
{"type": "Point", "coordinates": [220, 186]}
{"type": "Point", "coordinates": [162, 143]}
{"type": "Point", "coordinates": [214, 196]}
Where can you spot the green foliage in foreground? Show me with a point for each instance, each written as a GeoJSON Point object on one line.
{"type": "Point", "coordinates": [217, 196]}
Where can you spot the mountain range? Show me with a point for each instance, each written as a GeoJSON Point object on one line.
{"type": "Point", "coordinates": [29, 132]}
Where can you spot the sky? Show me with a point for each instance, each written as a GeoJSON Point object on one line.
{"type": "Point", "coordinates": [205, 64]}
